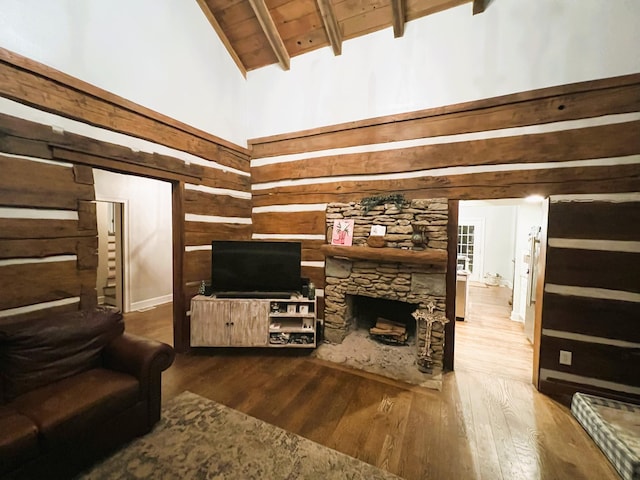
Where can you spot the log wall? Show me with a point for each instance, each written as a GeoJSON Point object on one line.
{"type": "Point", "coordinates": [591, 303]}
{"type": "Point", "coordinates": [210, 178]}
{"type": "Point", "coordinates": [582, 138]}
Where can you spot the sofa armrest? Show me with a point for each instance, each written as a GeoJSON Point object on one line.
{"type": "Point", "coordinates": [146, 360]}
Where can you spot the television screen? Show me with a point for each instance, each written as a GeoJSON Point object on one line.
{"type": "Point", "coordinates": [255, 266]}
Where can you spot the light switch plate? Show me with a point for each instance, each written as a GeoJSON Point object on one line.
{"type": "Point", "coordinates": [565, 357]}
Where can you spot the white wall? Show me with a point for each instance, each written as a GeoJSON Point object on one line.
{"type": "Point", "coordinates": [447, 58]}
{"type": "Point", "coordinates": [162, 54]}
{"type": "Point", "coordinates": [499, 221]}
{"type": "Point", "coordinates": [147, 235]}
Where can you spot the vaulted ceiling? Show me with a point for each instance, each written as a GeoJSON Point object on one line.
{"type": "Point", "coordinates": [263, 32]}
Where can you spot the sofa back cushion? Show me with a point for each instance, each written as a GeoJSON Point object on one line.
{"type": "Point", "coordinates": [37, 352]}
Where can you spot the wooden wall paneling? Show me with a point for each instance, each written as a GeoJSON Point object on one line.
{"type": "Point", "coordinates": [216, 178]}
{"type": "Point", "coordinates": [31, 283]}
{"type": "Point", "coordinates": [451, 279]}
{"type": "Point", "coordinates": [197, 266]}
{"type": "Point", "coordinates": [595, 220]}
{"type": "Point", "coordinates": [43, 87]}
{"type": "Point", "coordinates": [503, 184]}
{"type": "Point", "coordinates": [118, 165]}
{"type": "Point", "coordinates": [202, 203]}
{"type": "Point", "coordinates": [593, 268]}
{"type": "Point", "coordinates": [314, 274]}
{"type": "Point", "coordinates": [566, 145]}
{"type": "Point", "coordinates": [311, 250]}
{"type": "Point", "coordinates": [594, 360]}
{"type": "Point", "coordinates": [25, 228]}
{"type": "Point", "coordinates": [566, 102]}
{"type": "Point", "coordinates": [53, 186]}
{"type": "Point", "coordinates": [88, 292]}
{"type": "Point", "coordinates": [87, 218]}
{"type": "Point", "coordinates": [609, 319]}
{"type": "Point", "coordinates": [181, 326]}
{"type": "Point", "coordinates": [289, 222]}
{"type": "Point", "coordinates": [201, 233]}
{"type": "Point", "coordinates": [23, 146]}
{"type": "Point", "coordinates": [37, 248]}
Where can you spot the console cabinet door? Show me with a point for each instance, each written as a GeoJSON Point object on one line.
{"type": "Point", "coordinates": [210, 324]}
{"type": "Point", "coordinates": [250, 323]}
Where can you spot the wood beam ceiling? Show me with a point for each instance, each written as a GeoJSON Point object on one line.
{"type": "Point", "coordinates": [478, 6]}
{"type": "Point", "coordinates": [271, 32]}
{"type": "Point", "coordinates": [398, 9]}
{"type": "Point", "coordinates": [225, 40]}
{"type": "Point", "coordinates": [331, 25]}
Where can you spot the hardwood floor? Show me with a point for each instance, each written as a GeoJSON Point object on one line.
{"type": "Point", "coordinates": [480, 425]}
{"type": "Point", "coordinates": [488, 341]}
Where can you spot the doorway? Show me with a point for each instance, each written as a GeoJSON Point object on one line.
{"type": "Point", "coordinates": [110, 276]}
{"type": "Point", "coordinates": [494, 260]}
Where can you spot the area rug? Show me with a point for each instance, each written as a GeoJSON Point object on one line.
{"type": "Point", "coordinates": [198, 438]}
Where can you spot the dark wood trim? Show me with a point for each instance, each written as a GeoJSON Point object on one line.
{"type": "Point", "coordinates": [450, 308]}
{"type": "Point", "coordinates": [564, 102]}
{"type": "Point", "coordinates": [181, 327]}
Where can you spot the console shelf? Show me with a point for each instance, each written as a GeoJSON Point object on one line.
{"type": "Point", "coordinates": [259, 322]}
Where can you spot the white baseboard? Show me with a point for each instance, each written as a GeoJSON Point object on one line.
{"type": "Point", "coordinates": [151, 302]}
{"type": "Point", "coordinates": [516, 317]}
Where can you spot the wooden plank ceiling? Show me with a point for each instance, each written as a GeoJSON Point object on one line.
{"type": "Point", "coordinates": [263, 32]}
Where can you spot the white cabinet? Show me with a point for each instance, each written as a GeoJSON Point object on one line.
{"type": "Point", "coordinates": [227, 322]}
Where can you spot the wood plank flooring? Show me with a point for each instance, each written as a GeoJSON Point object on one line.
{"type": "Point", "coordinates": [488, 341]}
{"type": "Point", "coordinates": [480, 426]}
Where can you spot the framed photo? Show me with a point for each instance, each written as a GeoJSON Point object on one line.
{"type": "Point", "coordinates": [303, 309]}
{"type": "Point", "coordinates": [342, 233]}
{"type": "Point", "coordinates": [291, 308]}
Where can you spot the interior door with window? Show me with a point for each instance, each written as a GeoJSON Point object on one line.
{"type": "Point", "coordinates": [469, 258]}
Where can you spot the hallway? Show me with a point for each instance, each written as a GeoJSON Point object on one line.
{"type": "Point", "coordinates": [488, 341]}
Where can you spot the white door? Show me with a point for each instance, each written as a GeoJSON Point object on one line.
{"type": "Point", "coordinates": [470, 242]}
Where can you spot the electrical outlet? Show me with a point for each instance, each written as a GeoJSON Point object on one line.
{"type": "Point", "coordinates": [565, 357]}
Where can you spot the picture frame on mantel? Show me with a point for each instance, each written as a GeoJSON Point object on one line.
{"type": "Point", "coordinates": [342, 233]}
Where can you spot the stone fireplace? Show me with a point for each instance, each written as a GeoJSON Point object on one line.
{"type": "Point", "coordinates": [400, 271]}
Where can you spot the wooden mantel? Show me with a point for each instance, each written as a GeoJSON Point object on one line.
{"type": "Point", "coordinates": [420, 257]}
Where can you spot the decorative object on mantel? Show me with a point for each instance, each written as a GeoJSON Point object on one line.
{"type": "Point", "coordinates": [376, 241]}
{"type": "Point", "coordinates": [376, 237]}
{"type": "Point", "coordinates": [369, 202]}
{"type": "Point", "coordinates": [419, 237]}
{"type": "Point", "coordinates": [342, 233]}
{"type": "Point", "coordinates": [425, 361]}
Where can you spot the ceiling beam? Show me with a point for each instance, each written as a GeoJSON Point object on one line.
{"type": "Point", "coordinates": [397, 7]}
{"type": "Point", "coordinates": [227, 44]}
{"type": "Point", "coordinates": [478, 6]}
{"type": "Point", "coordinates": [331, 25]}
{"type": "Point", "coordinates": [271, 32]}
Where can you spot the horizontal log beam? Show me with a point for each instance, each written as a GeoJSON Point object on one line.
{"type": "Point", "coordinates": [393, 255]}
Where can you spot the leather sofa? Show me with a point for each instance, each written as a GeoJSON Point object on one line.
{"type": "Point", "coordinates": [74, 387]}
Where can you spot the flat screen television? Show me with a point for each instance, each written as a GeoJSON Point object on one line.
{"type": "Point", "coordinates": [255, 268]}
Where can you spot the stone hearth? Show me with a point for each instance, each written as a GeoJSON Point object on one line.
{"type": "Point", "coordinates": [403, 278]}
